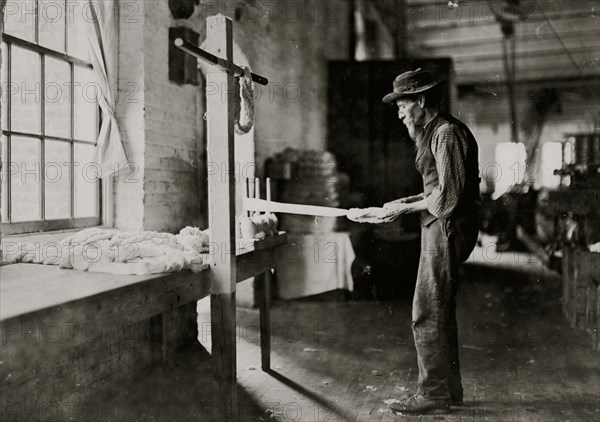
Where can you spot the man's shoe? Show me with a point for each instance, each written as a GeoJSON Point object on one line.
{"type": "Point", "coordinates": [419, 404]}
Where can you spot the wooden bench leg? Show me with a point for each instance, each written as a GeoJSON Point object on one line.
{"type": "Point", "coordinates": [264, 304]}
{"type": "Point", "coordinates": [223, 334]}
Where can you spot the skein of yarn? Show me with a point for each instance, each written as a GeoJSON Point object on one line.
{"type": "Point", "coordinates": [244, 105]}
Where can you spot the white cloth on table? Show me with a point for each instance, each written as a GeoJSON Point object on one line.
{"type": "Point", "coordinates": [309, 264]}
{"type": "Point", "coordinates": [116, 252]}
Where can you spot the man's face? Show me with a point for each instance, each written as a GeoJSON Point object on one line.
{"type": "Point", "coordinates": [412, 115]}
{"type": "Point", "coordinates": [410, 112]}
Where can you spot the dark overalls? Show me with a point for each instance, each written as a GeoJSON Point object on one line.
{"type": "Point", "coordinates": [445, 243]}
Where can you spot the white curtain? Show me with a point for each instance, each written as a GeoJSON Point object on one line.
{"type": "Point", "coordinates": [103, 35]}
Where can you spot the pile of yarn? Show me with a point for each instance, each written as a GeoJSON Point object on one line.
{"type": "Point", "coordinates": [258, 226]}
{"type": "Point", "coordinates": [315, 180]}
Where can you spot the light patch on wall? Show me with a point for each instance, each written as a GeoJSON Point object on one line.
{"type": "Point", "coordinates": [551, 160]}
{"type": "Point", "coordinates": [510, 161]}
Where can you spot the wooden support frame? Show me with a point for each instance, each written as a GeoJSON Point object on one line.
{"type": "Point", "coordinates": [264, 304]}
{"type": "Point", "coordinates": [133, 299]}
{"type": "Point", "coordinates": [227, 270]}
{"type": "Point", "coordinates": [221, 217]}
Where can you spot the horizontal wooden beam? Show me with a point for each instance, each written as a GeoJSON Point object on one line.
{"type": "Point", "coordinates": [438, 19]}
{"type": "Point", "coordinates": [47, 225]}
{"type": "Point", "coordinates": [487, 41]}
{"type": "Point", "coordinates": [492, 72]}
{"type": "Point", "coordinates": [554, 53]}
{"type": "Point", "coordinates": [46, 292]}
{"type": "Point", "coordinates": [254, 263]}
{"type": "Point", "coordinates": [9, 39]}
{"type": "Point", "coordinates": [590, 82]}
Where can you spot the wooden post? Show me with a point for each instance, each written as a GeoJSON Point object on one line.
{"type": "Point", "coordinates": [221, 216]}
{"type": "Point", "coordinates": [264, 304]}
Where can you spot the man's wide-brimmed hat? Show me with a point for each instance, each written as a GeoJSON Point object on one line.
{"type": "Point", "coordinates": [409, 83]}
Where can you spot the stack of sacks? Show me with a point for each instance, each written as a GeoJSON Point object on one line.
{"type": "Point", "coordinates": [127, 253]}
{"type": "Point", "coordinates": [258, 226]}
{"type": "Point", "coordinates": [318, 182]}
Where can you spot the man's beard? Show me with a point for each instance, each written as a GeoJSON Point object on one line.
{"type": "Point", "coordinates": [416, 132]}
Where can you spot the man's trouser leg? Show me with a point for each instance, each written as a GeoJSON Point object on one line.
{"type": "Point", "coordinates": [454, 379]}
{"type": "Point", "coordinates": [462, 232]}
{"type": "Point", "coordinates": [433, 314]}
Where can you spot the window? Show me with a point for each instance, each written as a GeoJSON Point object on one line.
{"type": "Point", "coordinates": [50, 119]}
{"type": "Point", "coordinates": [550, 161]}
{"type": "Point", "coordinates": [511, 165]}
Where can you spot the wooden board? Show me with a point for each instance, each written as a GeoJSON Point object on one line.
{"type": "Point", "coordinates": [250, 245]}
{"type": "Point", "coordinates": [67, 333]}
{"type": "Point", "coordinates": [30, 288]}
{"type": "Point", "coordinates": [221, 150]}
{"type": "Point", "coordinates": [224, 354]}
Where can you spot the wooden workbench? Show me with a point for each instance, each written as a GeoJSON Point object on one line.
{"type": "Point", "coordinates": [65, 334]}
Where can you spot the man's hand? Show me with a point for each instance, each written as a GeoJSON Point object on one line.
{"type": "Point", "coordinates": [395, 209]}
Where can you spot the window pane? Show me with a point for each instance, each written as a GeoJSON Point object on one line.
{"type": "Point", "coordinates": [57, 177]}
{"type": "Point", "coordinates": [86, 105]}
{"type": "Point", "coordinates": [4, 83]}
{"type": "Point", "coordinates": [86, 182]}
{"type": "Point", "coordinates": [4, 186]}
{"type": "Point", "coordinates": [58, 98]}
{"type": "Point", "coordinates": [510, 158]}
{"type": "Point", "coordinates": [551, 160]}
{"type": "Point", "coordinates": [25, 91]}
{"type": "Point", "coordinates": [25, 180]}
{"type": "Point", "coordinates": [78, 14]}
{"type": "Point", "coordinates": [19, 19]}
{"type": "Point", "coordinates": [52, 24]}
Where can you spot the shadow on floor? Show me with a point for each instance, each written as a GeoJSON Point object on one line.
{"type": "Point", "coordinates": [343, 360]}
{"type": "Point", "coordinates": [178, 392]}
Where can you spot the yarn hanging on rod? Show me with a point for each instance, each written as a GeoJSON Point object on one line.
{"type": "Point", "coordinates": [244, 104]}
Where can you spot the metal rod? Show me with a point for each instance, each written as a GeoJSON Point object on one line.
{"type": "Point", "coordinates": [9, 65]}
{"type": "Point", "coordinates": [222, 64]}
{"type": "Point", "coordinates": [248, 194]}
{"type": "Point", "coordinates": [9, 39]}
{"type": "Point", "coordinates": [511, 93]}
{"type": "Point", "coordinates": [43, 132]}
{"type": "Point", "coordinates": [49, 137]}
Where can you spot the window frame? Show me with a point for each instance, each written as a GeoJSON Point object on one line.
{"type": "Point", "coordinates": [9, 227]}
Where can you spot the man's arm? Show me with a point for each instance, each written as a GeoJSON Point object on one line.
{"type": "Point", "coordinates": [406, 205]}
{"type": "Point", "coordinates": [449, 148]}
{"type": "Point", "coordinates": [406, 200]}
{"type": "Point", "coordinates": [398, 208]}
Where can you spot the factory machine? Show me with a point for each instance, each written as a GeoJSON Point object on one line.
{"type": "Point", "coordinates": [568, 228]}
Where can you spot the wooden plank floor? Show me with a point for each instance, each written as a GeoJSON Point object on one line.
{"type": "Point", "coordinates": [339, 361]}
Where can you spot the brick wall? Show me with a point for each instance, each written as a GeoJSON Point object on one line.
{"type": "Point", "coordinates": [173, 133]}
{"type": "Point", "coordinates": [128, 192]}
{"type": "Point", "coordinates": [164, 132]}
